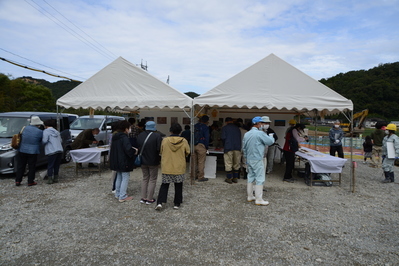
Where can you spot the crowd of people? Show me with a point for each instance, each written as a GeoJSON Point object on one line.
{"type": "Point", "coordinates": [248, 151]}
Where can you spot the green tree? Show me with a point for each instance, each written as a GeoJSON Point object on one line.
{"type": "Point", "coordinates": [19, 95]}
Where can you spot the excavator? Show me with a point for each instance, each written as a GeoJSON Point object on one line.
{"type": "Point", "coordinates": [358, 124]}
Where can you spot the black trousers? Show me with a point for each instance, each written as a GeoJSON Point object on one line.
{"type": "Point", "coordinates": [339, 149]}
{"type": "Point", "coordinates": [163, 193]}
{"type": "Point", "coordinates": [22, 160]}
{"type": "Point", "coordinates": [54, 162]}
{"type": "Point", "coordinates": [289, 164]}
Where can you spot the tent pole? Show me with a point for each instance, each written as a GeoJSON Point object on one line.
{"type": "Point", "coordinates": [192, 153]}
{"type": "Point", "coordinates": [351, 156]}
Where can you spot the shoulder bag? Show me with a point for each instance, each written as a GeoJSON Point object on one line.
{"type": "Point", "coordinates": [137, 162]}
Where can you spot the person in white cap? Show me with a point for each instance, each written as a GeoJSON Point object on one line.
{"type": "Point", "coordinates": [28, 150]}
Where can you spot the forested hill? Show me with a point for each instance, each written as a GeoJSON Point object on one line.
{"type": "Point", "coordinates": [376, 89]}
{"type": "Point", "coordinates": [58, 88]}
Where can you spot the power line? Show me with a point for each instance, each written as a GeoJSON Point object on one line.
{"type": "Point", "coordinates": [68, 29]}
{"type": "Point", "coordinates": [78, 28]}
{"type": "Point", "coordinates": [39, 63]}
{"type": "Point", "coordinates": [38, 70]}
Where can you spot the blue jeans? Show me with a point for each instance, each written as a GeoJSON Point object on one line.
{"type": "Point", "coordinates": [256, 171]}
{"type": "Point", "coordinates": [122, 180]}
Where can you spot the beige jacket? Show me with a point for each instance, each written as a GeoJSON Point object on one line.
{"type": "Point", "coordinates": [174, 150]}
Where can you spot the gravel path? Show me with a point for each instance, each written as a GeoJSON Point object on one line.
{"type": "Point", "coordinates": [79, 222]}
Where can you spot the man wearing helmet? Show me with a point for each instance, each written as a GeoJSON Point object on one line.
{"type": "Point", "coordinates": [390, 151]}
{"type": "Point", "coordinates": [254, 143]}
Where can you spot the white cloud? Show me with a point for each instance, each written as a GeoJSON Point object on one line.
{"type": "Point", "coordinates": [200, 44]}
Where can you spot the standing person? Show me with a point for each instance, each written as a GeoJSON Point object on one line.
{"type": "Point", "coordinates": [149, 142]}
{"type": "Point", "coordinates": [254, 143]}
{"type": "Point", "coordinates": [291, 145]}
{"type": "Point", "coordinates": [377, 136]}
{"type": "Point", "coordinates": [201, 143]}
{"type": "Point", "coordinates": [270, 150]}
{"type": "Point", "coordinates": [53, 149]}
{"type": "Point", "coordinates": [216, 136]}
{"type": "Point", "coordinates": [174, 149]}
{"type": "Point", "coordinates": [243, 168]}
{"type": "Point", "coordinates": [291, 124]}
{"type": "Point", "coordinates": [134, 131]}
{"type": "Point", "coordinates": [389, 141]}
{"type": "Point", "coordinates": [231, 137]}
{"type": "Point", "coordinates": [186, 133]}
{"type": "Point", "coordinates": [367, 148]}
{"type": "Point", "coordinates": [122, 160]}
{"type": "Point", "coordinates": [336, 134]}
{"type": "Point", "coordinates": [28, 150]}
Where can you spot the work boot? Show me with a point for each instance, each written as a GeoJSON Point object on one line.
{"type": "Point", "coordinates": [50, 180]}
{"type": "Point", "coordinates": [236, 175]}
{"type": "Point", "coordinates": [387, 178]}
{"type": "Point", "coordinates": [259, 196]}
{"type": "Point", "coordinates": [250, 192]}
{"type": "Point", "coordinates": [229, 177]}
{"type": "Point", "coordinates": [55, 179]}
{"type": "Point", "coordinates": [392, 177]}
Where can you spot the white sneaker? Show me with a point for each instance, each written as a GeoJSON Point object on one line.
{"type": "Point", "coordinates": [364, 162]}
{"type": "Point", "coordinates": [175, 207]}
{"type": "Point", "coordinates": [158, 207]}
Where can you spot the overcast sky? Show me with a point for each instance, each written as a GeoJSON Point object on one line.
{"type": "Point", "coordinates": [199, 44]}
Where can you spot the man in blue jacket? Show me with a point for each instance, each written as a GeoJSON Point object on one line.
{"type": "Point", "coordinates": [28, 149]}
{"type": "Point", "coordinates": [231, 137]}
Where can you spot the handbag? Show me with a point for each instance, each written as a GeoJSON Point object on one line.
{"type": "Point", "coordinates": [137, 161]}
{"type": "Point", "coordinates": [16, 139]}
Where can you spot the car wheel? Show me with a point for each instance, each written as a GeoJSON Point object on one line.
{"type": "Point", "coordinates": [67, 155]}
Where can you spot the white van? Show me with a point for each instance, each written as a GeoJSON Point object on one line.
{"type": "Point", "coordinates": [102, 122]}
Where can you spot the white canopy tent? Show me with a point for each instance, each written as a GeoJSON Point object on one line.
{"type": "Point", "coordinates": [274, 85]}
{"type": "Point", "coordinates": [125, 87]}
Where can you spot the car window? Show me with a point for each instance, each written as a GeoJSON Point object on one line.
{"type": "Point", "coordinates": [85, 123]}
{"type": "Point", "coordinates": [12, 125]}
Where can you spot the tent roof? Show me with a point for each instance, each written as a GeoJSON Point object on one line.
{"type": "Point", "coordinates": [275, 85]}
{"type": "Point", "coordinates": [124, 86]}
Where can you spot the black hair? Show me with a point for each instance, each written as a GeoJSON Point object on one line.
{"type": "Point", "coordinates": [186, 127]}
{"type": "Point", "coordinates": [131, 120]}
{"type": "Point", "coordinates": [380, 124]}
{"type": "Point", "coordinates": [122, 125]}
{"type": "Point", "coordinates": [175, 128]}
{"type": "Point", "coordinates": [50, 123]}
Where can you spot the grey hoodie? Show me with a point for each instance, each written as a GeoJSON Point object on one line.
{"type": "Point", "coordinates": [52, 141]}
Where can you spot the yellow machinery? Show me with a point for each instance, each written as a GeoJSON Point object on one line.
{"type": "Point", "coordinates": [358, 121]}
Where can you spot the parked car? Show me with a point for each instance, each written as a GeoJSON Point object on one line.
{"type": "Point", "coordinates": [12, 122]}
{"type": "Point", "coordinates": [101, 122]}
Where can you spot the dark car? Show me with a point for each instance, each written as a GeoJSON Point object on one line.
{"type": "Point", "coordinates": [12, 122]}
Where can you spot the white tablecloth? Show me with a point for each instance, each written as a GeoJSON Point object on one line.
{"type": "Point", "coordinates": [88, 155]}
{"type": "Point", "coordinates": [320, 162]}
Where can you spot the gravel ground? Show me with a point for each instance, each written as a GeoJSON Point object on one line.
{"type": "Point", "coordinates": [79, 222]}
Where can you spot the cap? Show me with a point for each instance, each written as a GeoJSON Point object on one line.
{"type": "Point", "coordinates": [256, 119]}
{"type": "Point", "coordinates": [292, 122]}
{"type": "Point", "coordinates": [150, 125]}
